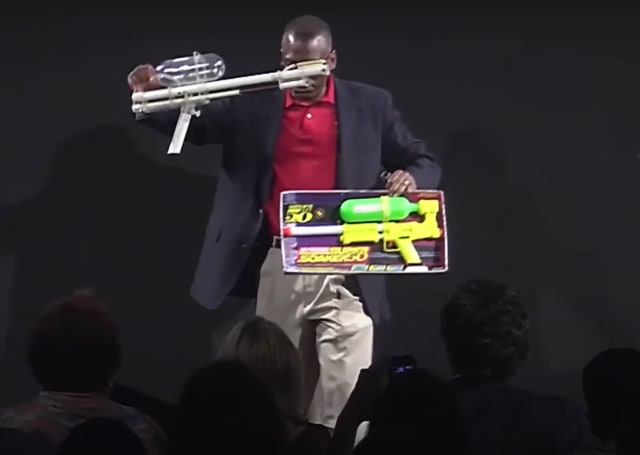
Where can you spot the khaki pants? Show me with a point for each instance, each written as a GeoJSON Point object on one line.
{"type": "Point", "coordinates": [328, 325]}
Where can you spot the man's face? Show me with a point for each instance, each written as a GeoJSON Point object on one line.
{"type": "Point", "coordinates": [294, 51]}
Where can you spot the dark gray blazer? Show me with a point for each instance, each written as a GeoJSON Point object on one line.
{"type": "Point", "coordinates": [372, 138]}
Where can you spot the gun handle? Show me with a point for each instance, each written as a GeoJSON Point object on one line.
{"type": "Point", "coordinates": [408, 252]}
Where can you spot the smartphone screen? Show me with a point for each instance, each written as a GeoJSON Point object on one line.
{"type": "Point", "coordinates": [401, 364]}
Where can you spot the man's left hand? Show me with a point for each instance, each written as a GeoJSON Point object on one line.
{"type": "Point", "coordinates": [401, 182]}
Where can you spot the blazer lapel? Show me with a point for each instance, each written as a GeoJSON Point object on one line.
{"type": "Point", "coordinates": [347, 141]}
{"type": "Point", "coordinates": [269, 122]}
{"type": "Point", "coordinates": [273, 119]}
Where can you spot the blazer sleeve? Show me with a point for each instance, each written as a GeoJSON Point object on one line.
{"type": "Point", "coordinates": [215, 124]}
{"type": "Point", "coordinates": [402, 150]}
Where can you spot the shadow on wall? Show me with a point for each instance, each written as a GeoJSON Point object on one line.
{"type": "Point", "coordinates": [498, 228]}
{"type": "Point", "coordinates": [111, 218]}
{"type": "Point", "coordinates": [496, 231]}
{"type": "Point", "coordinates": [132, 229]}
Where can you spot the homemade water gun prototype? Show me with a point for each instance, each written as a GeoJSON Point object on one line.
{"type": "Point", "coordinates": [371, 220]}
{"type": "Point", "coordinates": [191, 82]}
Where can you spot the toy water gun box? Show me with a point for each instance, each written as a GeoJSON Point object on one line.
{"type": "Point", "coordinates": [363, 232]}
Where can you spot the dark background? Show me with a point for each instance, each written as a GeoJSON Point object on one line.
{"type": "Point", "coordinates": [534, 112]}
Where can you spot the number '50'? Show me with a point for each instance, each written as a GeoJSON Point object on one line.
{"type": "Point", "coordinates": [303, 217]}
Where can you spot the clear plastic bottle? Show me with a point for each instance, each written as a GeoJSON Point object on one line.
{"type": "Point", "coordinates": [196, 68]}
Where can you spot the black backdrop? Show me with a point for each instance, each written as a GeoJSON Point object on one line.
{"type": "Point", "coordinates": [533, 111]}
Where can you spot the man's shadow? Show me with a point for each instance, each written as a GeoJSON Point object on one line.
{"type": "Point", "coordinates": [496, 231]}
{"type": "Point", "coordinates": [115, 220]}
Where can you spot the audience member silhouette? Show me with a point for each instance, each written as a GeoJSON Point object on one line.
{"type": "Point", "coordinates": [626, 442]}
{"type": "Point", "coordinates": [486, 333]}
{"type": "Point", "coordinates": [415, 414]}
{"type": "Point", "coordinates": [162, 412]}
{"type": "Point", "coordinates": [226, 409]}
{"type": "Point", "coordinates": [101, 436]}
{"type": "Point", "coordinates": [251, 400]}
{"type": "Point", "coordinates": [17, 442]}
{"type": "Point", "coordinates": [74, 352]}
{"type": "Point", "coordinates": [264, 347]}
{"type": "Point", "coordinates": [611, 386]}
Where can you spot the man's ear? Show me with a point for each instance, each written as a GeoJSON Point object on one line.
{"type": "Point", "coordinates": [332, 60]}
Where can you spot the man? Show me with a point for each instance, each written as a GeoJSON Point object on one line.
{"type": "Point", "coordinates": [610, 383]}
{"type": "Point", "coordinates": [74, 352]}
{"type": "Point", "coordinates": [486, 333]}
{"type": "Point", "coordinates": [334, 134]}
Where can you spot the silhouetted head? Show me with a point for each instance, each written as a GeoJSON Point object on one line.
{"type": "Point", "coordinates": [17, 442]}
{"type": "Point", "coordinates": [225, 406]}
{"type": "Point", "coordinates": [101, 436]}
{"type": "Point", "coordinates": [74, 346]}
{"type": "Point", "coordinates": [486, 330]}
{"type": "Point", "coordinates": [611, 386]}
{"type": "Point", "coordinates": [308, 38]}
{"type": "Point", "coordinates": [416, 413]}
{"type": "Point", "coordinates": [264, 347]}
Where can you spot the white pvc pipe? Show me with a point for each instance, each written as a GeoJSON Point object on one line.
{"type": "Point", "coordinates": [231, 84]}
{"type": "Point", "coordinates": [159, 106]}
{"type": "Point", "coordinates": [293, 84]}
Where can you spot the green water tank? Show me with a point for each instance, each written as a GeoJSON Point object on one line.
{"type": "Point", "coordinates": [376, 209]}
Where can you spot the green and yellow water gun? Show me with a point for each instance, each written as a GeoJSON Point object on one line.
{"type": "Point", "coordinates": [375, 219]}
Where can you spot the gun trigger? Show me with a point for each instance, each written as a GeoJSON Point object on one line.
{"type": "Point", "coordinates": [389, 247]}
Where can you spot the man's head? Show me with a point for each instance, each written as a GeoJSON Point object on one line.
{"type": "Point", "coordinates": [485, 330]}
{"type": "Point", "coordinates": [264, 347]}
{"type": "Point", "coordinates": [416, 409]}
{"type": "Point", "coordinates": [308, 38]}
{"type": "Point", "coordinates": [225, 403]}
{"type": "Point", "coordinates": [74, 346]}
{"type": "Point", "coordinates": [101, 436]}
{"type": "Point", "coordinates": [610, 384]}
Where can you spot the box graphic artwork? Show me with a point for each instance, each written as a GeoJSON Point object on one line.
{"type": "Point", "coordinates": [363, 232]}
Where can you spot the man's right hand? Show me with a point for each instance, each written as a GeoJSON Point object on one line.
{"type": "Point", "coordinates": [143, 78]}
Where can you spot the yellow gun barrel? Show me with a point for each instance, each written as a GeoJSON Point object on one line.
{"type": "Point", "coordinates": [361, 233]}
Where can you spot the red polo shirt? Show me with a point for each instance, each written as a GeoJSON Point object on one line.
{"type": "Point", "coordinates": [306, 150]}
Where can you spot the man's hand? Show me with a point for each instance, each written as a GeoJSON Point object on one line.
{"type": "Point", "coordinates": [401, 182]}
{"type": "Point", "coordinates": [143, 78]}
